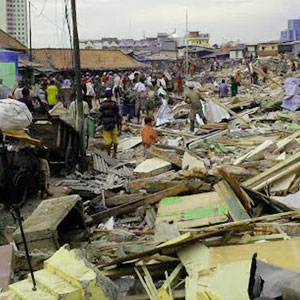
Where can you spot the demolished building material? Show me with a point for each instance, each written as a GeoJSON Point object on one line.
{"type": "Point", "coordinates": [50, 224]}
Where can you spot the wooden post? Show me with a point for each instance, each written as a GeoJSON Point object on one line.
{"type": "Point", "coordinates": [77, 68]}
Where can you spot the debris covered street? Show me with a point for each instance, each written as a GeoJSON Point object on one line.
{"type": "Point", "coordinates": [174, 179]}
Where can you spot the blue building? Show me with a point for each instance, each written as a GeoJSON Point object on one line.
{"type": "Point", "coordinates": [293, 31]}
{"type": "Point", "coordinates": [10, 52]}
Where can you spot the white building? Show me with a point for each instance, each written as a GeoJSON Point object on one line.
{"type": "Point", "coordinates": [238, 52]}
{"type": "Point", "coordinates": [13, 19]}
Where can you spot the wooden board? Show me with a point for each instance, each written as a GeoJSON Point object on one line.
{"type": "Point", "coordinates": [258, 152]}
{"type": "Point", "coordinates": [192, 211]}
{"type": "Point", "coordinates": [166, 155]}
{"type": "Point", "coordinates": [252, 182]}
{"type": "Point", "coordinates": [284, 254]}
{"type": "Point", "coordinates": [152, 167]}
{"type": "Point", "coordinates": [232, 202]}
{"type": "Point", "coordinates": [283, 184]}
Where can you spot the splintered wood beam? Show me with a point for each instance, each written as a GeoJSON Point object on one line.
{"type": "Point", "coordinates": [254, 181]}
{"type": "Point", "coordinates": [165, 155]}
{"type": "Point", "coordinates": [148, 200]}
{"type": "Point", "coordinates": [203, 234]}
{"type": "Point", "coordinates": [232, 202]}
{"type": "Point", "coordinates": [241, 194]}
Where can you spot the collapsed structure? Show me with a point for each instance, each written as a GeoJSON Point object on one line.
{"type": "Point", "coordinates": [205, 216]}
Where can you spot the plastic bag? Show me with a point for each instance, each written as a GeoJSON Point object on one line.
{"type": "Point", "coordinates": [14, 115]}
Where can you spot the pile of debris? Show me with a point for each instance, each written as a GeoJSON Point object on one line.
{"type": "Point", "coordinates": [175, 221]}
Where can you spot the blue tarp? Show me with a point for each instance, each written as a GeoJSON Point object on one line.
{"type": "Point", "coordinates": [9, 66]}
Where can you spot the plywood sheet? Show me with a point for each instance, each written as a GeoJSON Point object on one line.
{"type": "Point", "coordinates": [284, 254]}
{"type": "Point", "coordinates": [192, 211]}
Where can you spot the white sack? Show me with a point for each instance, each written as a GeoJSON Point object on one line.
{"type": "Point", "coordinates": [14, 115]}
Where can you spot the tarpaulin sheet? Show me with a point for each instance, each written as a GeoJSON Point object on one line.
{"type": "Point", "coordinates": [9, 66]}
{"type": "Point", "coordinates": [291, 100]}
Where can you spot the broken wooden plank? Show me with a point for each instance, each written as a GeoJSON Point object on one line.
{"type": "Point", "coordinates": [232, 202]}
{"type": "Point", "coordinates": [264, 175]}
{"type": "Point", "coordinates": [241, 194]}
{"type": "Point", "coordinates": [154, 184]}
{"type": "Point", "coordinates": [165, 155]}
{"type": "Point", "coordinates": [290, 170]}
{"type": "Point", "coordinates": [122, 199]}
{"type": "Point", "coordinates": [178, 294]}
{"type": "Point", "coordinates": [151, 199]}
{"type": "Point", "coordinates": [258, 152]}
{"type": "Point", "coordinates": [191, 162]}
{"type": "Point", "coordinates": [128, 269]}
{"type": "Point", "coordinates": [214, 126]}
{"type": "Point", "coordinates": [282, 144]}
{"type": "Point", "coordinates": [152, 167]}
{"type": "Point", "coordinates": [283, 184]}
{"type": "Point", "coordinates": [204, 234]}
{"type": "Point", "coordinates": [205, 139]}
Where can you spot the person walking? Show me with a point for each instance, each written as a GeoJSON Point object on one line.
{"type": "Point", "coordinates": [234, 87]}
{"type": "Point", "coordinates": [140, 92]}
{"type": "Point", "coordinates": [223, 89]}
{"type": "Point", "coordinates": [193, 97]}
{"type": "Point", "coordinates": [110, 119]}
{"type": "Point", "coordinates": [52, 94]}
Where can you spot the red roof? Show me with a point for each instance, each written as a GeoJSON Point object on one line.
{"type": "Point", "coordinates": [9, 43]}
{"type": "Point", "coordinates": [91, 59]}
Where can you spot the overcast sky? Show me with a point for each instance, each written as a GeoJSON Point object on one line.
{"type": "Point", "coordinates": [247, 20]}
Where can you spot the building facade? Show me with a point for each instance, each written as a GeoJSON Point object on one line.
{"type": "Point", "coordinates": [198, 39]}
{"type": "Point", "coordinates": [268, 49]}
{"type": "Point", "coordinates": [290, 49]}
{"type": "Point", "coordinates": [293, 31]}
{"type": "Point", "coordinates": [13, 19]}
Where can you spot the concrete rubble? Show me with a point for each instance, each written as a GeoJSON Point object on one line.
{"type": "Point", "coordinates": [182, 219]}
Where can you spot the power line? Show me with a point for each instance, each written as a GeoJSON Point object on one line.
{"type": "Point", "coordinates": [45, 16]}
{"type": "Point", "coordinates": [68, 23]}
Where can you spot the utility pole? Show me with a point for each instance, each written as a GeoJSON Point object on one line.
{"type": "Point", "coordinates": [187, 44]}
{"type": "Point", "coordinates": [31, 70]}
{"type": "Point", "coordinates": [76, 55]}
{"type": "Point", "coordinates": [30, 34]}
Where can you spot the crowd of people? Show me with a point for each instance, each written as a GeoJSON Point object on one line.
{"type": "Point", "coordinates": [121, 97]}
{"type": "Point", "coordinates": [112, 97]}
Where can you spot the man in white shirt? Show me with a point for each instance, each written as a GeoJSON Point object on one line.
{"type": "Point", "coordinates": [140, 90]}
{"type": "Point", "coordinates": [117, 89]}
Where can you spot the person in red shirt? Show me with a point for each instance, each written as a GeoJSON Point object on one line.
{"type": "Point", "coordinates": [148, 133]}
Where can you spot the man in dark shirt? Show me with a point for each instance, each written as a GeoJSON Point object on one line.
{"type": "Point", "coordinates": [110, 119]}
{"type": "Point", "coordinates": [26, 99]}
